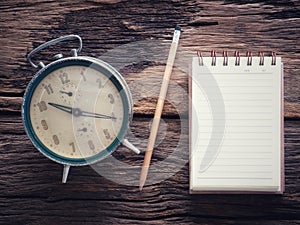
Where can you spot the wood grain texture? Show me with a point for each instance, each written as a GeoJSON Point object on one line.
{"type": "Point", "coordinates": [230, 25]}
{"type": "Point", "coordinates": [31, 191]}
{"type": "Point", "coordinates": [30, 188]}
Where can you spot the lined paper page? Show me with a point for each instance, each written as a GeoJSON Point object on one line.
{"type": "Point", "coordinates": [236, 126]}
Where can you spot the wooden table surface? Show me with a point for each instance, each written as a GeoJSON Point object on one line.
{"type": "Point", "coordinates": [30, 188]}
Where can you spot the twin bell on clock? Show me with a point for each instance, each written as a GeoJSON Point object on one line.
{"type": "Point", "coordinates": [76, 110]}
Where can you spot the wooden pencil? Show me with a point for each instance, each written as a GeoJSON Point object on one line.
{"type": "Point", "coordinates": [159, 106]}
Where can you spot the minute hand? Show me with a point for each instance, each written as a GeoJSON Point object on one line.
{"type": "Point", "coordinates": [96, 115]}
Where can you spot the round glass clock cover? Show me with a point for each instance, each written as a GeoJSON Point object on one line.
{"type": "Point", "coordinates": [77, 110]}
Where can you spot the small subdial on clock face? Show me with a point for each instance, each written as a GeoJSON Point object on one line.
{"type": "Point", "coordinates": [69, 93]}
{"type": "Point", "coordinates": [85, 130]}
{"type": "Point", "coordinates": [86, 137]}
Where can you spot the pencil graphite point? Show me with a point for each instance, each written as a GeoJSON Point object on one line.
{"type": "Point", "coordinates": [143, 177]}
{"type": "Point", "coordinates": [142, 182]}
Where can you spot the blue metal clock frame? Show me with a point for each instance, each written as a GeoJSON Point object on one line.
{"type": "Point", "coordinates": [96, 64]}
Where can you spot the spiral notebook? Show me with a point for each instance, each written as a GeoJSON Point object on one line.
{"type": "Point", "coordinates": [236, 124]}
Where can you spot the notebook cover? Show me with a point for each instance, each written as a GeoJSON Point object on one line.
{"type": "Point", "coordinates": [282, 185]}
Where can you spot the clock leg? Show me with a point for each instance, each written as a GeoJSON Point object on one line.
{"type": "Point", "coordinates": [127, 144]}
{"type": "Point", "coordinates": [65, 173]}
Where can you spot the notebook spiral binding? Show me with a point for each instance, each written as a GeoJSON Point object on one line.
{"type": "Point", "coordinates": [237, 56]}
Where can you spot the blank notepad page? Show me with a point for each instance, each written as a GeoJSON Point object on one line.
{"type": "Point", "coordinates": [236, 126]}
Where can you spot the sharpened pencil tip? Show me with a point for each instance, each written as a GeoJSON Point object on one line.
{"type": "Point", "coordinates": [141, 186]}
{"type": "Point", "coordinates": [143, 176]}
{"type": "Point", "coordinates": [142, 182]}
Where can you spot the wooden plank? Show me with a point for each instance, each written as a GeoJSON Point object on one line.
{"type": "Point", "coordinates": [31, 189]}
{"type": "Point", "coordinates": [145, 98]}
{"type": "Point", "coordinates": [208, 25]}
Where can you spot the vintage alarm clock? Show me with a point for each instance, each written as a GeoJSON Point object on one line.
{"type": "Point", "coordinates": [76, 110]}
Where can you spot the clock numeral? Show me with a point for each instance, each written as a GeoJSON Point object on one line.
{"type": "Point", "coordinates": [91, 145]}
{"type": "Point", "coordinates": [42, 106]}
{"type": "Point", "coordinates": [48, 88]}
{"type": "Point", "coordinates": [99, 82]}
{"type": "Point", "coordinates": [44, 124]}
{"type": "Point", "coordinates": [55, 139]}
{"type": "Point", "coordinates": [73, 146]}
{"type": "Point", "coordinates": [64, 78]}
{"type": "Point", "coordinates": [106, 133]}
{"type": "Point", "coordinates": [111, 98]}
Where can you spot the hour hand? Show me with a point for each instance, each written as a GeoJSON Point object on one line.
{"type": "Point", "coordinates": [78, 112]}
{"type": "Point", "coordinates": [61, 107]}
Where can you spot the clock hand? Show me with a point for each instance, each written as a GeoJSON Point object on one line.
{"type": "Point", "coordinates": [78, 112]}
{"type": "Point", "coordinates": [61, 107]}
{"type": "Point", "coordinates": [67, 93]}
{"type": "Point", "coordinates": [97, 115]}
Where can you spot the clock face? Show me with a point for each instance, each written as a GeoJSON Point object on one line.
{"type": "Point", "coordinates": [76, 112]}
